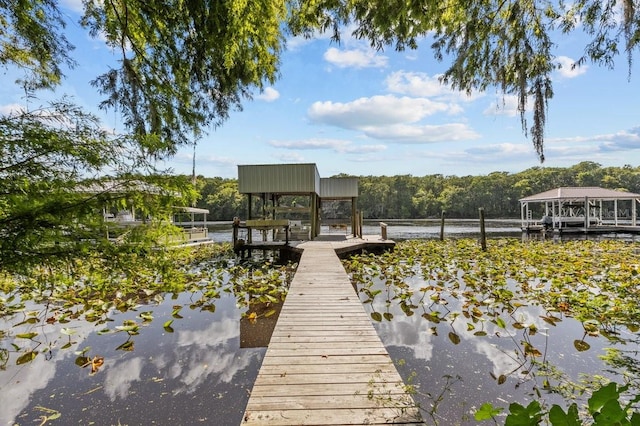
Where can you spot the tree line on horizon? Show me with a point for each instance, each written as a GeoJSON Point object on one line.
{"type": "Point", "coordinates": [423, 197]}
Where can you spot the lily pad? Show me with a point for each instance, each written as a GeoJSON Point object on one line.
{"type": "Point", "coordinates": [581, 345]}
{"type": "Point", "coordinates": [26, 358]}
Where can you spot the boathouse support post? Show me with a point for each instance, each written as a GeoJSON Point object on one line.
{"type": "Point", "coordinates": [586, 214]}
{"type": "Point", "coordinates": [315, 216]}
{"type": "Point", "coordinates": [633, 212]}
{"type": "Point", "coordinates": [354, 220]}
{"type": "Point", "coordinates": [483, 234]}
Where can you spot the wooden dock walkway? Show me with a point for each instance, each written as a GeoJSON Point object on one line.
{"type": "Point", "coordinates": [325, 364]}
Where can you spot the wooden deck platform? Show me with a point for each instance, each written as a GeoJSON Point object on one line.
{"type": "Point", "coordinates": [343, 245]}
{"type": "Point", "coordinates": [325, 364]}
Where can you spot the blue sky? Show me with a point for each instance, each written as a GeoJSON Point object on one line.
{"type": "Point", "coordinates": [353, 110]}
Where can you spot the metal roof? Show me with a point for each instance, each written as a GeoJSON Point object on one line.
{"type": "Point", "coordinates": [192, 210]}
{"type": "Point", "coordinates": [580, 193]}
{"type": "Point", "coordinates": [336, 188]}
{"type": "Point", "coordinates": [278, 179]}
{"type": "Point", "coordinates": [294, 179]}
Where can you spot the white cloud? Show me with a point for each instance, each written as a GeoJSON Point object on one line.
{"type": "Point", "coordinates": [510, 157]}
{"type": "Point", "coordinates": [374, 111]}
{"type": "Point", "coordinates": [291, 157]}
{"type": "Point", "coordinates": [422, 85]}
{"type": "Point", "coordinates": [623, 140]}
{"type": "Point", "coordinates": [269, 95]}
{"type": "Point", "coordinates": [355, 58]}
{"type": "Point", "coordinates": [412, 134]}
{"type": "Point", "coordinates": [11, 109]}
{"type": "Point", "coordinates": [336, 145]}
{"type": "Point", "coordinates": [297, 42]}
{"type": "Point", "coordinates": [74, 5]}
{"type": "Point", "coordinates": [507, 105]}
{"type": "Point", "coordinates": [392, 118]}
{"type": "Point", "coordinates": [120, 376]}
{"type": "Point", "coordinates": [502, 150]}
{"type": "Point", "coordinates": [567, 69]}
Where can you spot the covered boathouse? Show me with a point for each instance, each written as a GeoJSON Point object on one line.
{"type": "Point", "coordinates": [581, 209]}
{"type": "Point", "coordinates": [285, 203]}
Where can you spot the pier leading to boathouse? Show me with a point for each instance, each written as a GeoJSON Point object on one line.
{"type": "Point", "coordinates": [325, 364]}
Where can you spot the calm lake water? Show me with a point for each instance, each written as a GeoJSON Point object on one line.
{"type": "Point", "coordinates": [449, 360]}
{"type": "Point", "coordinates": [198, 373]}
{"type": "Point", "coordinates": [410, 229]}
{"type": "Point", "coordinates": [201, 371]}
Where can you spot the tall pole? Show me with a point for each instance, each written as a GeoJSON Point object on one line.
{"type": "Point", "coordinates": [483, 235]}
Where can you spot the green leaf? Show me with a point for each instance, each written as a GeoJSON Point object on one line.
{"type": "Point", "coordinates": [82, 361]}
{"type": "Point", "coordinates": [524, 416]}
{"type": "Point", "coordinates": [126, 346]}
{"type": "Point", "coordinates": [376, 316]}
{"type": "Point", "coordinates": [487, 411]}
{"type": "Point", "coordinates": [67, 331]}
{"type": "Point", "coordinates": [26, 358]}
{"type": "Point", "coordinates": [581, 345]}
{"type": "Point", "coordinates": [558, 417]}
{"type": "Point", "coordinates": [27, 335]}
{"type": "Point", "coordinates": [83, 351]}
{"type": "Point", "coordinates": [146, 316]}
{"type": "Point", "coordinates": [603, 395]}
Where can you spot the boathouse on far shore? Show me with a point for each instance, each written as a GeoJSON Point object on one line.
{"type": "Point", "coordinates": [586, 209]}
{"type": "Point", "coordinates": [270, 189]}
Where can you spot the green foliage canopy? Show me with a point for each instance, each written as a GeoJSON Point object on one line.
{"type": "Point", "coordinates": [52, 186]}
{"type": "Point", "coordinates": [184, 64]}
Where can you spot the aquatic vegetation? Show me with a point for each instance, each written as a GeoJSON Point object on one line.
{"type": "Point", "coordinates": [605, 407]}
{"type": "Point", "coordinates": [515, 296]}
{"type": "Point", "coordinates": [596, 283]}
{"type": "Point", "coordinates": [89, 291]}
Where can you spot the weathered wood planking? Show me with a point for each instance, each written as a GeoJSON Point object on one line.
{"type": "Point", "coordinates": [325, 364]}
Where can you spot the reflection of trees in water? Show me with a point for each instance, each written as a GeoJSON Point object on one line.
{"type": "Point", "coordinates": [523, 306]}
{"type": "Point", "coordinates": [177, 335]}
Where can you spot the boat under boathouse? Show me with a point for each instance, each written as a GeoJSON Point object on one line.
{"type": "Point", "coordinates": [581, 209]}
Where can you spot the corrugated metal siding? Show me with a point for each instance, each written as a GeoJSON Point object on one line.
{"type": "Point", "coordinates": [278, 178]}
{"type": "Point", "coordinates": [338, 187]}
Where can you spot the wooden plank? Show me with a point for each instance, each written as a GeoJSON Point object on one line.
{"type": "Point", "coordinates": [310, 328]}
{"type": "Point", "coordinates": [342, 369]}
{"type": "Point", "coordinates": [366, 378]}
{"type": "Point", "coordinates": [332, 338]}
{"type": "Point", "coordinates": [318, 402]}
{"type": "Point", "coordinates": [326, 351]}
{"type": "Point", "coordinates": [332, 416]}
{"type": "Point", "coordinates": [325, 363]}
{"type": "Point", "coordinates": [319, 389]}
{"type": "Point", "coordinates": [333, 360]}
